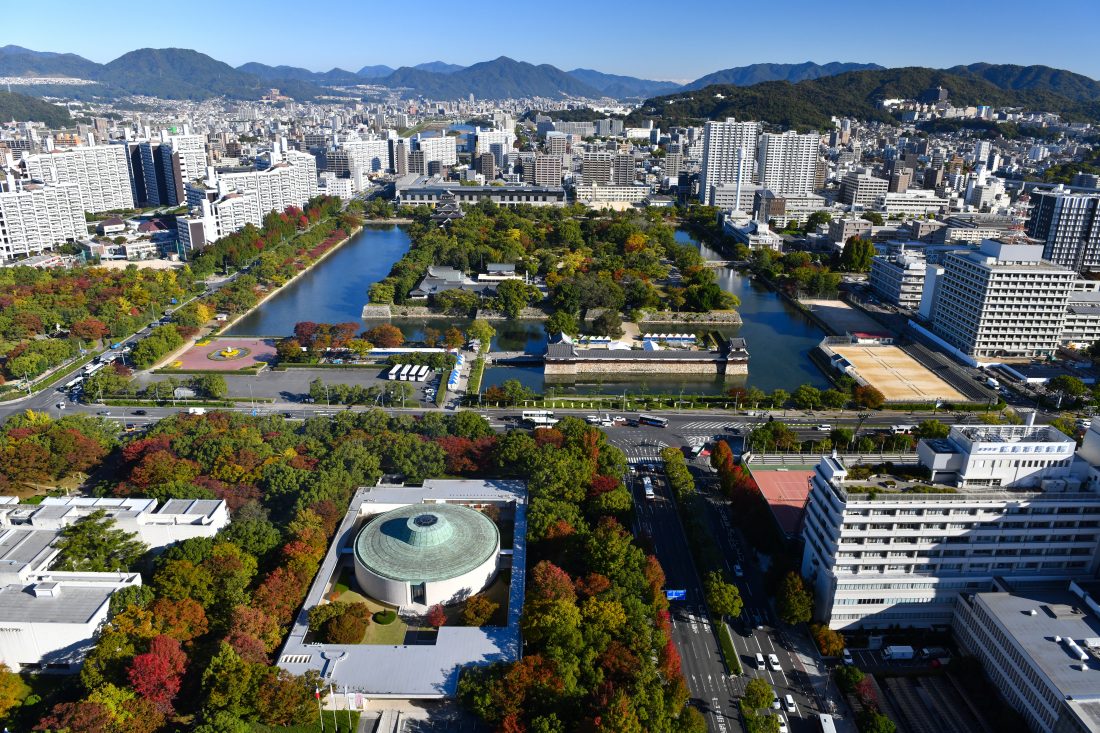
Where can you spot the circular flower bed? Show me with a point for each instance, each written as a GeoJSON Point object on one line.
{"type": "Point", "coordinates": [385, 618]}
{"type": "Point", "coordinates": [228, 354]}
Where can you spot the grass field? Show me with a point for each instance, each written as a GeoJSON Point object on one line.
{"type": "Point", "coordinates": [897, 375]}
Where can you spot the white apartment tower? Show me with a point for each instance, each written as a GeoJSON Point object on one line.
{"type": "Point", "coordinates": [442, 149]}
{"type": "Point", "coordinates": [1002, 300]}
{"type": "Point", "coordinates": [37, 217]}
{"type": "Point", "coordinates": [729, 155]}
{"type": "Point", "coordinates": [787, 162]}
{"type": "Point", "coordinates": [101, 173]}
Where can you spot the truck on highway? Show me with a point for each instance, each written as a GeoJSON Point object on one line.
{"type": "Point", "coordinates": [196, 410]}
{"type": "Point", "coordinates": [992, 383]}
{"type": "Point", "coordinates": [898, 653]}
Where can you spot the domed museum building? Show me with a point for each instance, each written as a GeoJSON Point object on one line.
{"type": "Point", "coordinates": [423, 554]}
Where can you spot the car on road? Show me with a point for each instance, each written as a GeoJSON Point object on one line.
{"type": "Point", "coordinates": [847, 657]}
{"type": "Point", "coordinates": [592, 420]}
{"type": "Point", "coordinates": [618, 420]}
{"type": "Point", "coordinates": [773, 662]}
{"type": "Point", "coordinates": [823, 427]}
{"type": "Point", "coordinates": [775, 702]}
{"type": "Point", "coordinates": [789, 701]}
{"type": "Point", "coordinates": [783, 728]}
{"type": "Point", "coordinates": [104, 413]}
{"type": "Point", "coordinates": [140, 412]}
{"type": "Point", "coordinates": [288, 414]}
{"type": "Point", "coordinates": [760, 662]}
{"type": "Point", "coordinates": [130, 427]}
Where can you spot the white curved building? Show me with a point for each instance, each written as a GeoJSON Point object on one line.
{"type": "Point", "coordinates": [424, 554]}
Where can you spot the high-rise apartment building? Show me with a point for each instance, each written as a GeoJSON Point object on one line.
{"type": "Point", "coordinates": [787, 162]}
{"type": "Point", "coordinates": [729, 155]}
{"type": "Point", "coordinates": [369, 156]}
{"type": "Point", "coordinates": [674, 160]}
{"type": "Point", "coordinates": [399, 156]}
{"type": "Point", "coordinates": [624, 169]}
{"type": "Point", "coordinates": [487, 165]}
{"type": "Point", "coordinates": [101, 172]}
{"type": "Point", "coordinates": [1002, 300]}
{"type": "Point", "coordinates": [596, 168]}
{"type": "Point", "coordinates": [557, 143]}
{"type": "Point", "coordinates": [1068, 225]}
{"type": "Point", "coordinates": [483, 139]}
{"type": "Point", "coordinates": [37, 216]}
{"type": "Point", "coordinates": [442, 149]}
{"type": "Point", "coordinates": [547, 171]}
{"type": "Point", "coordinates": [417, 162]}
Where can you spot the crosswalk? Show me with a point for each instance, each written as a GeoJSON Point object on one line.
{"type": "Point", "coordinates": [644, 454]}
{"type": "Point", "coordinates": [712, 425]}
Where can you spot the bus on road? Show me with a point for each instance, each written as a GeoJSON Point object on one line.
{"type": "Point", "coordinates": [539, 418]}
{"type": "Point", "coordinates": [657, 422]}
{"type": "Point", "coordinates": [826, 722]}
{"type": "Point", "coordinates": [647, 486]}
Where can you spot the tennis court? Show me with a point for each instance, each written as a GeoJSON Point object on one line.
{"type": "Point", "coordinates": [786, 492]}
{"type": "Point", "coordinates": [897, 375]}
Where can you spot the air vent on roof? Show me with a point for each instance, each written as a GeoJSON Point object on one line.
{"type": "Point", "coordinates": [1033, 612]}
{"type": "Point", "coordinates": [46, 589]}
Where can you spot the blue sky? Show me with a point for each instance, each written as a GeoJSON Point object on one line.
{"type": "Point", "coordinates": [658, 40]}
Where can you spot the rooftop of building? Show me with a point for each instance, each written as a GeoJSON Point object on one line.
{"type": "Point", "coordinates": [69, 604]}
{"type": "Point", "coordinates": [1042, 622]}
{"type": "Point", "coordinates": [426, 542]}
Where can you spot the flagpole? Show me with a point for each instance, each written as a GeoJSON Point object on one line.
{"type": "Point", "coordinates": [348, 701]}
{"type": "Point", "coordinates": [335, 707]}
{"type": "Point", "coordinates": [317, 694]}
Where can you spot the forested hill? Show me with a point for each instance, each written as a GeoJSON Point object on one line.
{"type": "Point", "coordinates": [20, 107]}
{"type": "Point", "coordinates": [810, 104]}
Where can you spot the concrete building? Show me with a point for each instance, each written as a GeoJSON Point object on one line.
{"type": "Point", "coordinates": [898, 279]}
{"type": "Point", "coordinates": [49, 618]}
{"type": "Point", "coordinates": [917, 202]}
{"type": "Point", "coordinates": [1017, 505]}
{"type": "Point", "coordinates": [101, 172]}
{"type": "Point", "coordinates": [596, 168]}
{"type": "Point", "coordinates": [787, 162]}
{"type": "Point", "coordinates": [674, 160]}
{"type": "Point", "coordinates": [442, 149]}
{"type": "Point", "coordinates": [1001, 300]}
{"type": "Point", "coordinates": [182, 159]}
{"type": "Point", "coordinates": [841, 230]}
{"type": "Point", "coordinates": [37, 217]}
{"type": "Point", "coordinates": [1081, 328]}
{"type": "Point", "coordinates": [729, 155]}
{"type": "Point", "coordinates": [368, 156]}
{"type": "Point", "coordinates": [1068, 225]}
{"type": "Point", "coordinates": [863, 189]}
{"type": "Point", "coordinates": [546, 171]}
{"type": "Point", "coordinates": [624, 169]}
{"type": "Point", "coordinates": [422, 190]}
{"type": "Point", "coordinates": [611, 197]}
{"type": "Point", "coordinates": [418, 671]}
{"type": "Point", "coordinates": [1039, 646]}
{"type": "Point", "coordinates": [421, 555]}
{"type": "Point", "coordinates": [731, 197]}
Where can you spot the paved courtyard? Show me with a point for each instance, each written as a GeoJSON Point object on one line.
{"type": "Point", "coordinates": [899, 377]}
{"type": "Point", "coordinates": [226, 354]}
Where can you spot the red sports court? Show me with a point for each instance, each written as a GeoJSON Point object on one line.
{"type": "Point", "coordinates": [785, 490]}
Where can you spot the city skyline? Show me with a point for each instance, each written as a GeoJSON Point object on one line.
{"type": "Point", "coordinates": [586, 40]}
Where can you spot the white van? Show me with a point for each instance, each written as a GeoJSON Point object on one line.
{"type": "Point", "coordinates": [760, 664]}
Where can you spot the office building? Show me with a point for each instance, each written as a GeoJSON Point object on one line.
{"type": "Point", "coordinates": [862, 189]}
{"type": "Point", "coordinates": [557, 143]}
{"type": "Point", "coordinates": [399, 156]}
{"type": "Point", "coordinates": [101, 172]}
{"type": "Point", "coordinates": [487, 166]}
{"type": "Point", "coordinates": [417, 163]}
{"type": "Point", "coordinates": [624, 169]}
{"type": "Point", "coordinates": [483, 139]}
{"type": "Point", "coordinates": [422, 191]}
{"type": "Point", "coordinates": [787, 162]}
{"type": "Point", "coordinates": [1002, 300]}
{"type": "Point", "coordinates": [1003, 501]}
{"type": "Point", "coordinates": [674, 160]}
{"type": "Point", "coordinates": [898, 279]}
{"type": "Point", "coordinates": [917, 202]}
{"type": "Point", "coordinates": [729, 155]}
{"type": "Point", "coordinates": [1068, 225]}
{"type": "Point", "coordinates": [36, 217]}
{"type": "Point", "coordinates": [611, 197]}
{"type": "Point", "coordinates": [841, 230]}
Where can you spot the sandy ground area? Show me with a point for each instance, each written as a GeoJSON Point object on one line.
{"type": "Point", "coordinates": [897, 375]}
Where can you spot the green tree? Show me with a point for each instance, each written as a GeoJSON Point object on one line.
{"type": "Point", "coordinates": [874, 217]}
{"type": "Point", "coordinates": [806, 397]}
{"type": "Point", "coordinates": [857, 255]}
{"type": "Point", "coordinates": [794, 602]}
{"type": "Point", "coordinates": [722, 598]}
{"type": "Point", "coordinates": [779, 397]}
{"type": "Point", "coordinates": [608, 323]}
{"type": "Point", "coordinates": [1068, 385]}
{"type": "Point", "coordinates": [512, 297]}
{"type": "Point", "coordinates": [212, 386]}
{"type": "Point", "coordinates": [479, 609]}
{"type": "Point", "coordinates": [483, 332]}
{"type": "Point", "coordinates": [872, 721]}
{"type": "Point", "coordinates": [817, 218]}
{"type": "Point", "coordinates": [93, 544]}
{"type": "Point", "coordinates": [561, 322]}
{"type": "Point", "coordinates": [848, 676]}
{"type": "Point", "coordinates": [758, 694]}
{"type": "Point", "coordinates": [931, 429]}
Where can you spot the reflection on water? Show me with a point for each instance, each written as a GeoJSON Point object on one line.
{"type": "Point", "coordinates": [779, 337]}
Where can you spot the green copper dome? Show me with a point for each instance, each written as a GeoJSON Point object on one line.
{"type": "Point", "coordinates": [426, 542]}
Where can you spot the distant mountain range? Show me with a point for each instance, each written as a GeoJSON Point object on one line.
{"type": "Point", "coordinates": [744, 76]}
{"type": "Point", "coordinates": [812, 103]}
{"type": "Point", "coordinates": [797, 95]}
